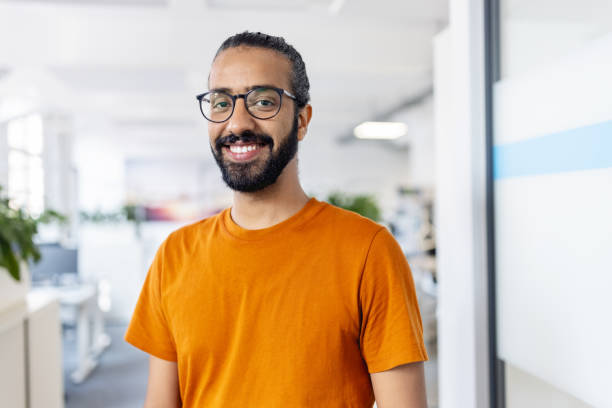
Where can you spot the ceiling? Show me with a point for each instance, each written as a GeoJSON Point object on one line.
{"type": "Point", "coordinates": [138, 64]}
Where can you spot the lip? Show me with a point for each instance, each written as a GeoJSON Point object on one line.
{"type": "Point", "coordinates": [243, 156]}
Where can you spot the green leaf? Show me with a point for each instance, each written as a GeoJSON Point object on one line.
{"type": "Point", "coordinates": [9, 261]}
{"type": "Point", "coordinates": [17, 231]}
{"type": "Point", "coordinates": [361, 204]}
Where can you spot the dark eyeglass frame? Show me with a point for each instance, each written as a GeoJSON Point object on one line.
{"type": "Point", "coordinates": [244, 96]}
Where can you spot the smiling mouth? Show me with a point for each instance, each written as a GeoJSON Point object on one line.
{"type": "Point", "coordinates": [243, 151]}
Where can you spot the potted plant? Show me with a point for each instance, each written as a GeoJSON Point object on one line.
{"type": "Point", "coordinates": [361, 204]}
{"type": "Point", "coordinates": [17, 247]}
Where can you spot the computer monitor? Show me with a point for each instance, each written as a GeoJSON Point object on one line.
{"type": "Point", "coordinates": [55, 261]}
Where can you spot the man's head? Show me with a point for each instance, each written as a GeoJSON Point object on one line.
{"type": "Point", "coordinates": [300, 86]}
{"type": "Point", "coordinates": [251, 152]}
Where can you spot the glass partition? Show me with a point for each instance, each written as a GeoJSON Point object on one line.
{"type": "Point", "coordinates": [552, 183]}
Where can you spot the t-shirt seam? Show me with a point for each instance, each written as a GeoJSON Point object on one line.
{"type": "Point", "coordinates": [365, 260]}
{"type": "Point", "coordinates": [363, 267]}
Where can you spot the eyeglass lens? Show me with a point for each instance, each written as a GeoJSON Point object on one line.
{"type": "Point", "coordinates": [263, 103]}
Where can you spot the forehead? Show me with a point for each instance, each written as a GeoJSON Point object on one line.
{"type": "Point", "coordinates": [240, 68]}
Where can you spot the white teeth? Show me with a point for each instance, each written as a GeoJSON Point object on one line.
{"type": "Point", "coordinates": [242, 149]}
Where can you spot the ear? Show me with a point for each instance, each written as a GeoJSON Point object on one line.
{"type": "Point", "coordinates": [304, 117]}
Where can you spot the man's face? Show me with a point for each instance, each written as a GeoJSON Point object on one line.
{"type": "Point", "coordinates": [270, 144]}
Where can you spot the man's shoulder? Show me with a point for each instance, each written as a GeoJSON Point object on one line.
{"type": "Point", "coordinates": [194, 230]}
{"type": "Point", "coordinates": [349, 222]}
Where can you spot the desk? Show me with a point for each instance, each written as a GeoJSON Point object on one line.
{"type": "Point", "coordinates": [78, 303]}
{"type": "Point", "coordinates": [43, 337]}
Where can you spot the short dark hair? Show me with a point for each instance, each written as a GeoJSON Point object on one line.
{"type": "Point", "coordinates": [299, 79]}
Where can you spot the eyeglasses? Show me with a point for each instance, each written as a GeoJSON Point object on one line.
{"type": "Point", "coordinates": [261, 103]}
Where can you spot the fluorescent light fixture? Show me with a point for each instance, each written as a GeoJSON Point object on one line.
{"type": "Point", "coordinates": [380, 130]}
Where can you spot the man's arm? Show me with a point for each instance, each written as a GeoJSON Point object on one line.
{"type": "Point", "coordinates": [400, 387]}
{"type": "Point", "coordinates": [163, 387]}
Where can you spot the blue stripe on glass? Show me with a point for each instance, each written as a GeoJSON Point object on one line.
{"type": "Point", "coordinates": [585, 148]}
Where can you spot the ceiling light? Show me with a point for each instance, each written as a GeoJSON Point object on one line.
{"type": "Point", "coordinates": [380, 130]}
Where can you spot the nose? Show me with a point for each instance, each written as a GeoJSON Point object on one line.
{"type": "Point", "coordinates": [241, 119]}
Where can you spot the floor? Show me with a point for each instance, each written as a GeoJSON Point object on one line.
{"type": "Point", "coordinates": [120, 379]}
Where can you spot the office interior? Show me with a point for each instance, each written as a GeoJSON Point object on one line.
{"type": "Point", "coordinates": [480, 131]}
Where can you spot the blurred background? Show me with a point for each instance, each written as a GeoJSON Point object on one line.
{"type": "Point", "coordinates": [479, 132]}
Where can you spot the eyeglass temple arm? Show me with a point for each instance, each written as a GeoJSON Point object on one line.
{"type": "Point", "coordinates": [289, 94]}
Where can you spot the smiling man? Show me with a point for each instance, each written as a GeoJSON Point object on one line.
{"type": "Point", "coordinates": [280, 300]}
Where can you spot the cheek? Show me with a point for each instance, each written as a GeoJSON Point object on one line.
{"type": "Point", "coordinates": [213, 133]}
{"type": "Point", "coordinates": [279, 130]}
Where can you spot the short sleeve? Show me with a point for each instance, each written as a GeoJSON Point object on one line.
{"type": "Point", "coordinates": [391, 328]}
{"type": "Point", "coordinates": [148, 329]}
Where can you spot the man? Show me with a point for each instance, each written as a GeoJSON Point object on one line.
{"type": "Point", "coordinates": [280, 300]}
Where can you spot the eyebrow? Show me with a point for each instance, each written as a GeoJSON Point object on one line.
{"type": "Point", "coordinates": [228, 90]}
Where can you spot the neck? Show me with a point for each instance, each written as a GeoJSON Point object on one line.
{"type": "Point", "coordinates": [273, 204]}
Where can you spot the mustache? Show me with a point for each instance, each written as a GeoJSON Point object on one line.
{"type": "Point", "coordinates": [245, 137]}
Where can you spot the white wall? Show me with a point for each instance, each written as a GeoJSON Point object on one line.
{"type": "Point", "coordinates": [354, 167]}
{"type": "Point", "coordinates": [460, 208]}
{"type": "Point", "coordinates": [3, 158]}
{"type": "Point", "coordinates": [60, 177]}
{"type": "Point", "coordinates": [419, 120]}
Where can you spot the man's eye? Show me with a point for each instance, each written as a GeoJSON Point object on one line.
{"type": "Point", "coordinates": [220, 105]}
{"type": "Point", "coordinates": [264, 102]}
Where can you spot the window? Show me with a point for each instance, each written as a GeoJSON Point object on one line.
{"type": "Point", "coordinates": [25, 165]}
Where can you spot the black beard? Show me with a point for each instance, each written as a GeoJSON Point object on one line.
{"type": "Point", "coordinates": [250, 177]}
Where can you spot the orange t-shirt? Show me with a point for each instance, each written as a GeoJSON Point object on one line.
{"type": "Point", "coordinates": [295, 315]}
